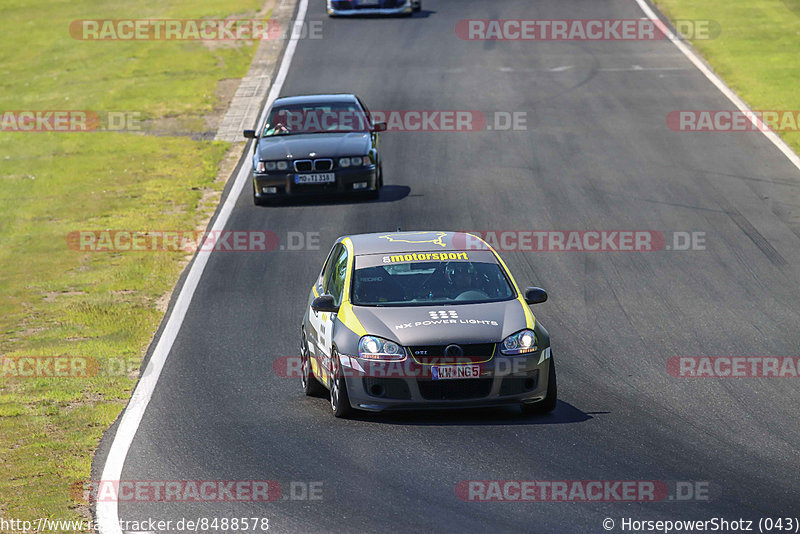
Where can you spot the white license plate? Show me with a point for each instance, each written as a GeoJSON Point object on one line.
{"type": "Point", "coordinates": [316, 178]}
{"type": "Point", "coordinates": [444, 372]}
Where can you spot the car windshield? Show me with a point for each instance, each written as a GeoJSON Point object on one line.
{"type": "Point", "coordinates": [429, 283]}
{"type": "Point", "coordinates": [315, 118]}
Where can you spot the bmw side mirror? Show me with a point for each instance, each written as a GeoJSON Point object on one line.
{"type": "Point", "coordinates": [250, 134]}
{"type": "Point", "coordinates": [535, 295]}
{"type": "Point", "coordinates": [324, 303]}
{"type": "Point", "coordinates": [379, 127]}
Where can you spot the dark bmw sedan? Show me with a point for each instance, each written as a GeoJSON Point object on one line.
{"type": "Point", "coordinates": [316, 145]}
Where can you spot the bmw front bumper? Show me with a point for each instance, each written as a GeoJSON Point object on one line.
{"type": "Point", "coordinates": [335, 9]}
{"type": "Point", "coordinates": [283, 184]}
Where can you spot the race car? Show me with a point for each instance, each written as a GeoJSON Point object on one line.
{"type": "Point", "coordinates": [373, 7]}
{"type": "Point", "coordinates": [316, 145]}
{"type": "Point", "coordinates": [433, 319]}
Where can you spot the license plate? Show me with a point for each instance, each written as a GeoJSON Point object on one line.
{"type": "Point", "coordinates": [316, 178]}
{"type": "Point", "coordinates": [445, 372]}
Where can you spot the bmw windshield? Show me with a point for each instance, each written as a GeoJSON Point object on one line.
{"type": "Point", "coordinates": [316, 118]}
{"type": "Point", "coordinates": [459, 278]}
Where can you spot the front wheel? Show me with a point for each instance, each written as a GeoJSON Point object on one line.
{"type": "Point", "coordinates": [417, 6]}
{"type": "Point", "coordinates": [548, 404]}
{"type": "Point", "coordinates": [340, 402]}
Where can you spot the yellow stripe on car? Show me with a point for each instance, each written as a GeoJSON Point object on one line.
{"type": "Point", "coordinates": [530, 320]}
{"type": "Point", "coordinates": [346, 314]}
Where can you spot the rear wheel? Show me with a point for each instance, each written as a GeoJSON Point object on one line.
{"type": "Point", "coordinates": [311, 387]}
{"type": "Point", "coordinates": [548, 404]}
{"type": "Point", "coordinates": [340, 402]}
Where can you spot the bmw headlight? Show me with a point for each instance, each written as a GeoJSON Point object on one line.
{"type": "Point", "coordinates": [522, 342]}
{"type": "Point", "coordinates": [263, 166]}
{"type": "Point", "coordinates": [377, 348]}
{"type": "Point", "coordinates": [355, 161]}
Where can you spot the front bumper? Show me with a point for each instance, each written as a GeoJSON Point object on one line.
{"type": "Point", "coordinates": [408, 385]}
{"type": "Point", "coordinates": [284, 183]}
{"type": "Point", "coordinates": [403, 9]}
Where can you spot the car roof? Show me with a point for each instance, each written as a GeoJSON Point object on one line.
{"type": "Point", "coordinates": [414, 241]}
{"type": "Point", "coordinates": [345, 98]}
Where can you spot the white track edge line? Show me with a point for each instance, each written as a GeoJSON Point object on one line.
{"type": "Point", "coordinates": [727, 91]}
{"type": "Point", "coordinates": [108, 510]}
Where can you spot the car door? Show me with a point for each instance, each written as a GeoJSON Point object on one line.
{"type": "Point", "coordinates": [331, 282]}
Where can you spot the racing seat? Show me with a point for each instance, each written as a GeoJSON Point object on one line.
{"type": "Point", "coordinates": [377, 286]}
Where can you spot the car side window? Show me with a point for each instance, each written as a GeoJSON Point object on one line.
{"type": "Point", "coordinates": [330, 268]}
{"type": "Point", "coordinates": [338, 275]}
{"type": "Point", "coordinates": [326, 272]}
{"type": "Point", "coordinates": [365, 109]}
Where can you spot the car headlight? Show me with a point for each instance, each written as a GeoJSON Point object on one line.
{"type": "Point", "coordinates": [282, 165]}
{"type": "Point", "coordinates": [260, 167]}
{"type": "Point", "coordinates": [270, 165]}
{"type": "Point", "coordinates": [355, 161]}
{"type": "Point", "coordinates": [522, 342]}
{"type": "Point", "coordinates": [377, 348]}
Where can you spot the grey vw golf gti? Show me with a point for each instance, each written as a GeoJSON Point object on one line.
{"type": "Point", "coordinates": [407, 320]}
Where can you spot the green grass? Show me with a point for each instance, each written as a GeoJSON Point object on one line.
{"type": "Point", "coordinates": [757, 52]}
{"type": "Point", "coordinates": [58, 301]}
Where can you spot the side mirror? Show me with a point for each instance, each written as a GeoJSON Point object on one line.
{"type": "Point", "coordinates": [379, 127]}
{"type": "Point", "coordinates": [250, 134]}
{"type": "Point", "coordinates": [324, 303]}
{"type": "Point", "coordinates": [535, 295]}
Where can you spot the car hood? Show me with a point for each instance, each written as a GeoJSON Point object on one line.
{"type": "Point", "coordinates": [323, 145]}
{"type": "Point", "coordinates": [490, 322]}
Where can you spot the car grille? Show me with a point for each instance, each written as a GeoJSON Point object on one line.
{"type": "Point", "coordinates": [434, 354]}
{"type": "Point", "coordinates": [303, 165]}
{"type": "Point", "coordinates": [308, 165]}
{"type": "Point", "coordinates": [469, 388]}
{"type": "Point", "coordinates": [323, 164]}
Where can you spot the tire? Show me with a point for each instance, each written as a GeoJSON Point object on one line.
{"type": "Point", "coordinates": [548, 404]}
{"type": "Point", "coordinates": [376, 193]}
{"type": "Point", "coordinates": [311, 386]}
{"type": "Point", "coordinates": [418, 7]}
{"type": "Point", "coordinates": [257, 201]}
{"type": "Point", "coordinates": [340, 401]}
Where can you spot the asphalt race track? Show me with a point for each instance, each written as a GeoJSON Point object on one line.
{"type": "Point", "coordinates": [597, 155]}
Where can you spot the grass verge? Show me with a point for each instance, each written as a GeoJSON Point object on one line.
{"type": "Point", "coordinates": [95, 306]}
{"type": "Point", "coordinates": [757, 51]}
